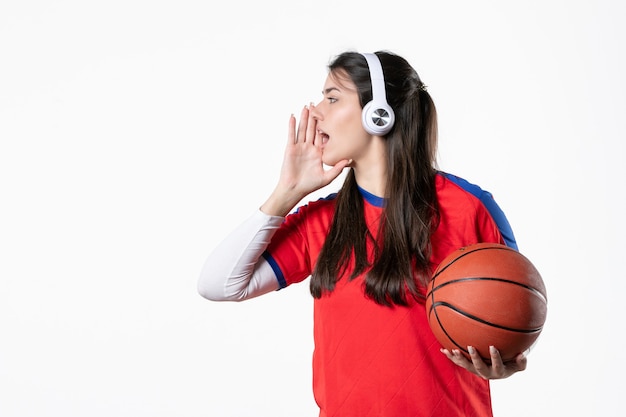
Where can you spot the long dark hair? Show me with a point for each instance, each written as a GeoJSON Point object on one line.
{"type": "Point", "coordinates": [401, 257]}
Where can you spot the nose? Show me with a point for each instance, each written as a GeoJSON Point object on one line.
{"type": "Point", "coordinates": [315, 112]}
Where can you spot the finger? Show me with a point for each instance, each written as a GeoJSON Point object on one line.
{"type": "Point", "coordinates": [458, 358]}
{"type": "Point", "coordinates": [447, 353]}
{"type": "Point", "coordinates": [291, 133]}
{"type": "Point", "coordinates": [480, 366]}
{"type": "Point", "coordinates": [311, 130]}
{"type": "Point", "coordinates": [497, 366]}
{"type": "Point", "coordinates": [335, 170]}
{"type": "Point", "coordinates": [304, 116]}
{"type": "Point", "coordinates": [521, 361]}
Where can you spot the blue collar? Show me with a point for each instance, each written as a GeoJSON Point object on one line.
{"type": "Point", "coordinates": [371, 198]}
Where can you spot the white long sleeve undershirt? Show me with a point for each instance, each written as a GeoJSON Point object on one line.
{"type": "Point", "coordinates": [235, 269]}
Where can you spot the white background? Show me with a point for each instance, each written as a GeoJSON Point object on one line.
{"type": "Point", "coordinates": [135, 134]}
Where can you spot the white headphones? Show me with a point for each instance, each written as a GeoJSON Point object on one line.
{"type": "Point", "coordinates": [377, 115]}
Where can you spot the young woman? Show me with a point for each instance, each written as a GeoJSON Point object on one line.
{"type": "Point", "coordinates": [370, 249]}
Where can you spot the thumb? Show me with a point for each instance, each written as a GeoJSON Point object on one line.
{"type": "Point", "coordinates": [334, 171]}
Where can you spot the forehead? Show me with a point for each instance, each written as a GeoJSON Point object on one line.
{"type": "Point", "coordinates": [339, 80]}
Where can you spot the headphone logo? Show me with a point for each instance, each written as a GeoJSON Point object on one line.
{"type": "Point", "coordinates": [377, 116]}
{"type": "Point", "coordinates": [380, 117]}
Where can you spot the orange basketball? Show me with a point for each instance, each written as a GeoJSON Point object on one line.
{"type": "Point", "coordinates": [486, 295]}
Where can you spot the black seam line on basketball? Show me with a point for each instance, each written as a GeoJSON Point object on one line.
{"type": "Point", "coordinates": [472, 251]}
{"type": "Point", "coordinates": [508, 281]}
{"type": "Point", "coordinates": [478, 319]}
{"type": "Point", "coordinates": [464, 349]}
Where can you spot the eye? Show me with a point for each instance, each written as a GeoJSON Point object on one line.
{"type": "Point", "coordinates": [331, 99]}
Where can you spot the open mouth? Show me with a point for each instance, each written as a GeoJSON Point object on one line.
{"type": "Point", "coordinates": [323, 136]}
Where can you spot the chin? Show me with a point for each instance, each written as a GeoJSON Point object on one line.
{"type": "Point", "coordinates": [330, 161]}
{"type": "Point", "coordinates": [330, 157]}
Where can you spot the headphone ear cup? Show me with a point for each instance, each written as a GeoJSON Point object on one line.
{"type": "Point", "coordinates": [378, 118]}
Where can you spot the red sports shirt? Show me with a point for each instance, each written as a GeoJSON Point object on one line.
{"type": "Point", "coordinates": [377, 361]}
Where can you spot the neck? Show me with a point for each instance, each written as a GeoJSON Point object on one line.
{"type": "Point", "coordinates": [370, 172]}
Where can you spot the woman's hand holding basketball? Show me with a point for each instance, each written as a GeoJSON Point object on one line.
{"type": "Point", "coordinates": [302, 171]}
{"type": "Point", "coordinates": [496, 370]}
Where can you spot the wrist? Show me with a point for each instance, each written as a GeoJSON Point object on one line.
{"type": "Point", "coordinates": [280, 203]}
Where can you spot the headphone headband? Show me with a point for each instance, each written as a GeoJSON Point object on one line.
{"type": "Point", "coordinates": [376, 76]}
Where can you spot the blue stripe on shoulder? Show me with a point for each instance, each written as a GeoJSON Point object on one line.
{"type": "Point", "coordinates": [488, 201]}
{"type": "Point", "coordinates": [282, 283]}
{"type": "Point", "coordinates": [331, 196]}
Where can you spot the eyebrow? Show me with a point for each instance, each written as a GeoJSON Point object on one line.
{"type": "Point", "coordinates": [328, 90]}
